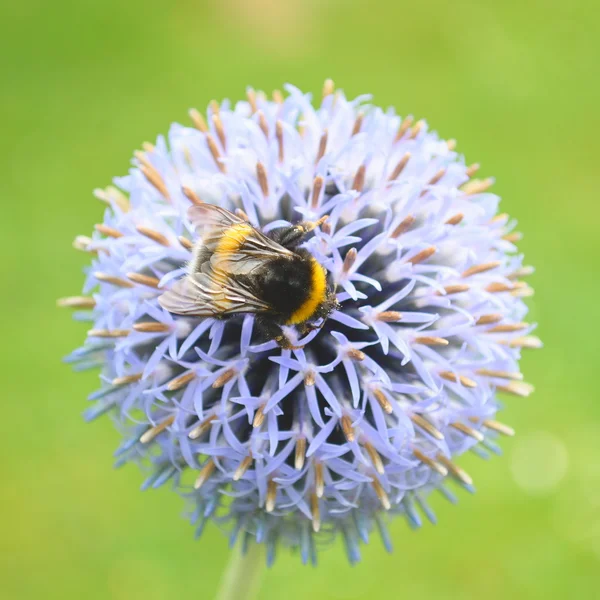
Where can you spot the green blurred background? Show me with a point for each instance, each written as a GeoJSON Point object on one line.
{"type": "Point", "coordinates": [84, 83]}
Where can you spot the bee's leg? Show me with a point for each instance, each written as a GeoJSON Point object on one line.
{"type": "Point", "coordinates": [273, 331]}
{"type": "Point", "coordinates": [285, 343]}
{"type": "Point", "coordinates": [308, 327]}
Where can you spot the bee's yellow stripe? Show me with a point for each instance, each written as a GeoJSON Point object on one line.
{"type": "Point", "coordinates": [316, 295]}
{"type": "Point", "coordinates": [233, 238]}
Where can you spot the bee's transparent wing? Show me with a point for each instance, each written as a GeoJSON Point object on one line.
{"type": "Point", "coordinates": [254, 249]}
{"type": "Point", "coordinates": [210, 294]}
{"type": "Point", "coordinates": [238, 263]}
{"type": "Point", "coordinates": [211, 222]}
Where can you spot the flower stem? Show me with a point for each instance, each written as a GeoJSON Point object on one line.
{"type": "Point", "coordinates": [243, 575]}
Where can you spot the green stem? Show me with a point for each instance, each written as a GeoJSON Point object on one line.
{"type": "Point", "coordinates": [243, 575]}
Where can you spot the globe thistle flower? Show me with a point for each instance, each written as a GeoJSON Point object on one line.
{"type": "Point", "coordinates": [370, 413]}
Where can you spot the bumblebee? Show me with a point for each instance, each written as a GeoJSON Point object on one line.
{"type": "Point", "coordinates": [237, 269]}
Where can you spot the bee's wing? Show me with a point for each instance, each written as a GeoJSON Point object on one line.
{"type": "Point", "coordinates": [214, 222]}
{"type": "Point", "coordinates": [210, 294]}
{"type": "Point", "coordinates": [239, 263]}
{"type": "Point", "coordinates": [211, 222]}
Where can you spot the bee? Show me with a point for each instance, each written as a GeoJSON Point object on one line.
{"type": "Point", "coordinates": [237, 269]}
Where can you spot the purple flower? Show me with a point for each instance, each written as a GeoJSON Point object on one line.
{"type": "Point", "coordinates": [294, 446]}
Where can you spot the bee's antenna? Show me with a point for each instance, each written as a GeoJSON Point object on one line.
{"type": "Point", "coordinates": [310, 225]}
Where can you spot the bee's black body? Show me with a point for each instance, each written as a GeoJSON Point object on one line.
{"type": "Point", "coordinates": [284, 284]}
{"type": "Point", "coordinates": [238, 269]}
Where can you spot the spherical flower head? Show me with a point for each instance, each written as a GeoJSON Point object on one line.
{"type": "Point", "coordinates": [366, 415]}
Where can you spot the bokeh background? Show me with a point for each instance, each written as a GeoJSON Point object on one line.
{"type": "Point", "coordinates": [84, 83]}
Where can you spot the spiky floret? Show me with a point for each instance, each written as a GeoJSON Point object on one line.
{"type": "Point", "coordinates": [367, 419]}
